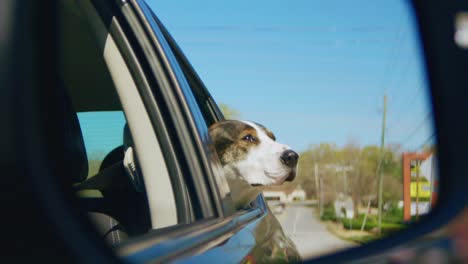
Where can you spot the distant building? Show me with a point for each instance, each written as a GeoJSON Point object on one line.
{"type": "Point", "coordinates": [420, 183]}
{"type": "Point", "coordinates": [344, 206]}
{"type": "Point", "coordinates": [297, 195]}
{"type": "Point", "coordinates": [284, 193]}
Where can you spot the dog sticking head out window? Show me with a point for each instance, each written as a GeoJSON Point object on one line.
{"type": "Point", "coordinates": [251, 158]}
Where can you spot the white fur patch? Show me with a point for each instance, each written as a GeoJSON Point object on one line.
{"type": "Point", "coordinates": [262, 165]}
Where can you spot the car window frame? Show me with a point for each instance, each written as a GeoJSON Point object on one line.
{"type": "Point", "coordinates": [167, 89]}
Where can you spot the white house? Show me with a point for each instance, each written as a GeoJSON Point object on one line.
{"type": "Point", "coordinates": [284, 193]}
{"type": "Point", "coordinates": [298, 194]}
{"type": "Point", "coordinates": [274, 195]}
{"type": "Point", "coordinates": [344, 206]}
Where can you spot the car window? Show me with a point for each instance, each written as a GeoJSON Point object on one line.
{"type": "Point", "coordinates": [103, 134]}
{"type": "Point", "coordinates": [207, 113]}
{"type": "Point", "coordinates": [204, 112]}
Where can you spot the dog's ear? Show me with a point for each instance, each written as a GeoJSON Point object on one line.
{"type": "Point", "coordinates": [267, 131]}
{"type": "Point", "coordinates": [221, 136]}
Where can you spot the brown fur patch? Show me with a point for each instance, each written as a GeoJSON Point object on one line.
{"type": "Point", "coordinates": [227, 137]}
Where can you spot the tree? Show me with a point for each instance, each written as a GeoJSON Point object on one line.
{"type": "Point", "coordinates": [352, 170]}
{"type": "Point", "coordinates": [229, 112]}
{"type": "Point", "coordinates": [323, 155]}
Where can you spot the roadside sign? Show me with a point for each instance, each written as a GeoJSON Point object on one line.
{"type": "Point", "coordinates": [424, 190]}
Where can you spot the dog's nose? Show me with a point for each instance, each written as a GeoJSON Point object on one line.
{"type": "Point", "coordinates": [289, 158]}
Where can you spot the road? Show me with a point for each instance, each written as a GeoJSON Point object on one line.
{"type": "Point", "coordinates": [308, 233]}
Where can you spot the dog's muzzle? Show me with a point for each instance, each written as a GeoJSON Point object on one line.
{"type": "Point", "coordinates": [289, 158]}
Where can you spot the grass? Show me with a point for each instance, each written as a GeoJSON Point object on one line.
{"type": "Point", "coordinates": [364, 239]}
{"type": "Point", "coordinates": [350, 229]}
{"type": "Point", "coordinates": [354, 236]}
{"type": "Point", "coordinates": [371, 224]}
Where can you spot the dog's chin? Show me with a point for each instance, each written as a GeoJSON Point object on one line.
{"type": "Point", "coordinates": [291, 176]}
{"type": "Point", "coordinates": [270, 179]}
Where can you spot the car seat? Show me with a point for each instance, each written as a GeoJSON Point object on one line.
{"type": "Point", "coordinates": [122, 210]}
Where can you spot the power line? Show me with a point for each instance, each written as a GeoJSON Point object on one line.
{"type": "Point", "coordinates": [394, 50]}
{"type": "Point", "coordinates": [404, 110]}
{"type": "Point", "coordinates": [310, 43]}
{"type": "Point", "coordinates": [427, 140]}
{"type": "Point", "coordinates": [401, 79]}
{"type": "Point", "coordinates": [394, 56]}
{"type": "Point", "coordinates": [278, 28]}
{"type": "Point", "coordinates": [413, 132]}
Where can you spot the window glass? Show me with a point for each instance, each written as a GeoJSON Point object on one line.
{"type": "Point", "coordinates": [102, 133]}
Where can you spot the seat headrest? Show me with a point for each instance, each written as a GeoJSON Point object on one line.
{"type": "Point", "coordinates": [116, 155]}
{"type": "Point", "coordinates": [75, 151]}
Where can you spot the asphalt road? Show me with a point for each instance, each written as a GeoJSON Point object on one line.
{"type": "Point", "coordinates": [308, 233]}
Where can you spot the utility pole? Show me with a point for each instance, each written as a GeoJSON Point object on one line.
{"type": "Point", "coordinates": [345, 182]}
{"type": "Point", "coordinates": [382, 144]}
{"type": "Point", "coordinates": [317, 182]}
{"type": "Point", "coordinates": [321, 197]}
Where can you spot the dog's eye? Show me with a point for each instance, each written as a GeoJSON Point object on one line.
{"type": "Point", "coordinates": [249, 138]}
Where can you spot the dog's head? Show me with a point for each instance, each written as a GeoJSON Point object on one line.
{"type": "Point", "coordinates": [252, 152]}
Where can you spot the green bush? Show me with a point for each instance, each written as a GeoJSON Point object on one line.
{"type": "Point", "coordinates": [363, 239]}
{"type": "Point", "coordinates": [391, 220]}
{"type": "Point", "coordinates": [421, 199]}
{"type": "Point", "coordinates": [371, 223]}
{"type": "Point", "coordinates": [328, 214]}
{"type": "Point", "coordinates": [388, 228]}
{"type": "Point", "coordinates": [394, 215]}
{"type": "Point", "coordinates": [356, 223]}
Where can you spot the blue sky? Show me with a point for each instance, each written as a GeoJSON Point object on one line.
{"type": "Point", "coordinates": [312, 71]}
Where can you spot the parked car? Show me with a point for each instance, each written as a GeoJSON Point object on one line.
{"type": "Point", "coordinates": [158, 196]}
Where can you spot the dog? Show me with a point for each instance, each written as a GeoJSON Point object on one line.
{"type": "Point", "coordinates": [251, 158]}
